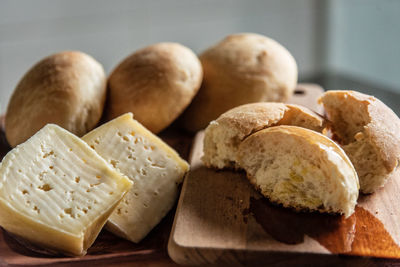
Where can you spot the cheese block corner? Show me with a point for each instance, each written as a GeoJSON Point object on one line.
{"type": "Point", "coordinates": [55, 191]}
{"type": "Point", "coordinates": [155, 169]}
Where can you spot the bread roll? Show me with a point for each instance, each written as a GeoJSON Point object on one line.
{"type": "Point", "coordinates": [368, 131]}
{"type": "Point", "coordinates": [68, 89]}
{"type": "Point", "coordinates": [155, 83]}
{"type": "Point", "coordinates": [242, 68]}
{"type": "Point", "coordinates": [223, 136]}
{"type": "Point", "coordinates": [301, 169]}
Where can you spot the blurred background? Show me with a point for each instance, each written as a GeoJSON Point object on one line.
{"type": "Point", "coordinates": [340, 44]}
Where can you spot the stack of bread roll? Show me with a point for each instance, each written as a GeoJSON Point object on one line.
{"type": "Point", "coordinates": [289, 161]}
{"type": "Point", "coordinates": [157, 84]}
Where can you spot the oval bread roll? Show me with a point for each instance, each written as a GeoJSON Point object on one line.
{"type": "Point", "coordinates": [301, 169]}
{"type": "Point", "coordinates": [67, 89]}
{"type": "Point", "coordinates": [368, 131]}
{"type": "Point", "coordinates": [155, 83]}
{"type": "Point", "coordinates": [223, 136]}
{"type": "Point", "coordinates": [242, 68]}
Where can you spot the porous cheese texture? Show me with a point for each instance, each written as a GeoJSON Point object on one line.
{"type": "Point", "coordinates": [57, 192]}
{"type": "Point", "coordinates": [154, 167]}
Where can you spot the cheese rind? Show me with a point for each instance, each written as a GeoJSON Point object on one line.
{"type": "Point", "coordinates": [154, 167]}
{"type": "Point", "coordinates": [57, 192]}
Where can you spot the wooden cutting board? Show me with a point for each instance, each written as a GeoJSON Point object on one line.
{"type": "Point", "coordinates": [221, 220]}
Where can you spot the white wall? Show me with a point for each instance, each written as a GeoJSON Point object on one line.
{"type": "Point", "coordinates": [111, 30]}
{"type": "Point", "coordinates": [363, 40]}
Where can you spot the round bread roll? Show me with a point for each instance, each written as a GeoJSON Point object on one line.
{"type": "Point", "coordinates": [155, 83]}
{"type": "Point", "coordinates": [301, 169]}
{"type": "Point", "coordinates": [67, 89]}
{"type": "Point", "coordinates": [242, 68]}
{"type": "Point", "coordinates": [368, 131]}
{"type": "Point", "coordinates": [223, 136]}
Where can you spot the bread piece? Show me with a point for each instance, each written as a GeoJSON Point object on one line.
{"type": "Point", "coordinates": [301, 169]}
{"type": "Point", "coordinates": [154, 167]}
{"type": "Point", "coordinates": [67, 89]}
{"type": "Point", "coordinates": [368, 131]}
{"type": "Point", "coordinates": [57, 192]}
{"type": "Point", "coordinates": [242, 68]}
{"type": "Point", "coordinates": [223, 136]}
{"type": "Point", "coordinates": [155, 83]}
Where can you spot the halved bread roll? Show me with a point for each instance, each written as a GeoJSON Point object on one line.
{"type": "Point", "coordinates": [301, 169]}
{"type": "Point", "coordinates": [368, 131]}
{"type": "Point", "coordinates": [223, 136]}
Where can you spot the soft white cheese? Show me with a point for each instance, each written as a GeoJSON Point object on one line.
{"type": "Point", "coordinates": [57, 192]}
{"type": "Point", "coordinates": [155, 169]}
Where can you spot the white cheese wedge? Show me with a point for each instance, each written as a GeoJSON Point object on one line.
{"type": "Point", "coordinates": [155, 169]}
{"type": "Point", "coordinates": [57, 192]}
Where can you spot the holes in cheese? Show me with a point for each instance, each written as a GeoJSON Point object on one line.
{"type": "Point", "coordinates": [52, 197]}
{"type": "Point", "coordinates": [154, 167]}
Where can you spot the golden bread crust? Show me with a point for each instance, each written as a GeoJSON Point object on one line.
{"type": "Point", "coordinates": [242, 68]}
{"type": "Point", "coordinates": [67, 88]}
{"type": "Point", "coordinates": [155, 83]}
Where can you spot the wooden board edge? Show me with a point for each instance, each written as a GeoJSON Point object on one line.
{"type": "Point", "coordinates": [173, 248]}
{"type": "Point", "coordinates": [192, 256]}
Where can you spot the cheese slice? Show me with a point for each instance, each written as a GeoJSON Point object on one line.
{"type": "Point", "coordinates": [57, 192]}
{"type": "Point", "coordinates": [155, 169]}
